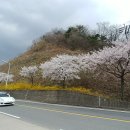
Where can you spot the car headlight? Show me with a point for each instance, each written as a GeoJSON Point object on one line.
{"type": "Point", "coordinates": [1, 100]}
{"type": "Point", "coordinates": [13, 99]}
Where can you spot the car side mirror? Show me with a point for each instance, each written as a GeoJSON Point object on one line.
{"type": "Point", "coordinates": [8, 95]}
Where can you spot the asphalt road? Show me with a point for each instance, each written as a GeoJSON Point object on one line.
{"type": "Point", "coordinates": [61, 117]}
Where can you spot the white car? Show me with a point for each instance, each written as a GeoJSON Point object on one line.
{"type": "Point", "coordinates": [6, 99]}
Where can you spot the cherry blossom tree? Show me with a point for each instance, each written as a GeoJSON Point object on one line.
{"type": "Point", "coordinates": [61, 68]}
{"type": "Point", "coordinates": [5, 76]}
{"type": "Point", "coordinates": [29, 72]}
{"type": "Point", "coordinates": [113, 60]}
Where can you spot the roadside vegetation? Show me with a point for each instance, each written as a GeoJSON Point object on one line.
{"type": "Point", "coordinates": [27, 86]}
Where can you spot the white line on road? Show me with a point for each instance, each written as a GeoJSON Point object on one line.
{"type": "Point", "coordinates": [9, 115]}
{"type": "Point", "coordinates": [100, 109]}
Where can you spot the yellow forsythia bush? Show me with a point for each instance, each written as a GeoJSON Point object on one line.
{"type": "Point", "coordinates": [85, 91]}
{"type": "Point", "coordinates": [26, 86]}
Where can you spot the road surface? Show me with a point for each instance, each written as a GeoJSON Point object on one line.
{"type": "Point", "coordinates": [62, 117]}
{"type": "Point", "coordinates": [9, 123]}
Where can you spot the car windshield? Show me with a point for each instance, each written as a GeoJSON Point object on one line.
{"type": "Point", "coordinates": [4, 95]}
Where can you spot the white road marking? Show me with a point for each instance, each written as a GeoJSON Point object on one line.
{"type": "Point", "coordinates": [101, 109]}
{"type": "Point", "coordinates": [9, 115]}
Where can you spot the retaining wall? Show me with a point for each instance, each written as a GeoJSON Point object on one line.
{"type": "Point", "coordinates": [70, 98]}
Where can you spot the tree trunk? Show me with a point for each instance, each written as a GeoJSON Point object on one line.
{"type": "Point", "coordinates": [63, 83]}
{"type": "Point", "coordinates": [32, 80]}
{"type": "Point", "coordinates": [122, 87]}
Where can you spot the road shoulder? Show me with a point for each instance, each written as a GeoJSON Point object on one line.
{"type": "Point", "coordinates": [10, 123]}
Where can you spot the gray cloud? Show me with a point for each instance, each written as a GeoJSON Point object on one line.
{"type": "Point", "coordinates": [23, 21]}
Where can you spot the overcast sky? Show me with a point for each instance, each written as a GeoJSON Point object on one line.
{"type": "Point", "coordinates": [22, 21]}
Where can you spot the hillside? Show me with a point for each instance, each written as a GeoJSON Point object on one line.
{"type": "Point", "coordinates": [75, 40]}
{"type": "Point", "coordinates": [35, 56]}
